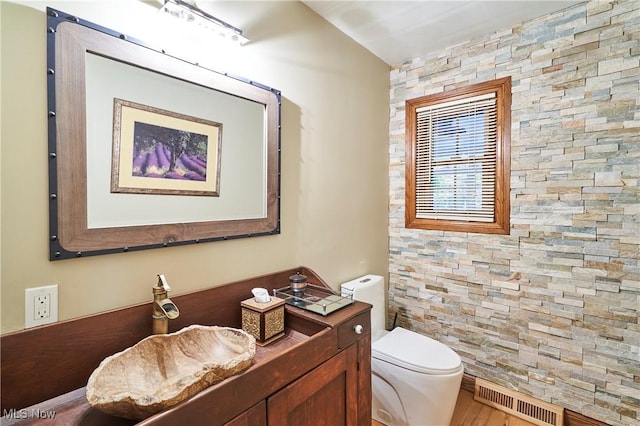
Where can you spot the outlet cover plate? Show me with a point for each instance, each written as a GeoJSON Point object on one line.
{"type": "Point", "coordinates": [41, 305]}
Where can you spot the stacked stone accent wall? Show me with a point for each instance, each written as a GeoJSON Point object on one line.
{"type": "Point", "coordinates": [550, 310]}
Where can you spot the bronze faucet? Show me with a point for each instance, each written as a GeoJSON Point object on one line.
{"type": "Point", "coordinates": [163, 308]}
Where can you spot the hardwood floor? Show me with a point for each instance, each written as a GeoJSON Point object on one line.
{"type": "Point", "coordinates": [471, 413]}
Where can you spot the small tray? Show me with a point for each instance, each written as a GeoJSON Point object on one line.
{"type": "Point", "coordinates": [320, 300]}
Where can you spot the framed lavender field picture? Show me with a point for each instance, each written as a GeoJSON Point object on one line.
{"type": "Point", "coordinates": [156, 151]}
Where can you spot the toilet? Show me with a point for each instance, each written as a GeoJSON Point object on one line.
{"type": "Point", "coordinates": [415, 379]}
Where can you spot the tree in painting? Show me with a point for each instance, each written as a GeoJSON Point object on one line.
{"type": "Point", "coordinates": [161, 152]}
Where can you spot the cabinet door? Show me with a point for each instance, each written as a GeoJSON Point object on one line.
{"type": "Point", "coordinates": [254, 416]}
{"type": "Point", "coordinates": [326, 396]}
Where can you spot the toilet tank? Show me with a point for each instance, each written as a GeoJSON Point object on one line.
{"type": "Point", "coordinates": [369, 289]}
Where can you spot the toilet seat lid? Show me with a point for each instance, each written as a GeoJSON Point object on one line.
{"type": "Point", "coordinates": [415, 352]}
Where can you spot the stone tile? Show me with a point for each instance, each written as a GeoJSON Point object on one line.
{"type": "Point", "coordinates": [556, 302]}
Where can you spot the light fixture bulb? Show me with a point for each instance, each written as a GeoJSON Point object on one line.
{"type": "Point", "coordinates": [190, 13]}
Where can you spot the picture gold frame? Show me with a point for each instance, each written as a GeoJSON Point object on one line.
{"type": "Point", "coordinates": [157, 172]}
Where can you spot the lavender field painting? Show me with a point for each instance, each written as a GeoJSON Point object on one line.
{"type": "Point", "coordinates": [162, 152]}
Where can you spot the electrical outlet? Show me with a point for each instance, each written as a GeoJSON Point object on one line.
{"type": "Point", "coordinates": [41, 305]}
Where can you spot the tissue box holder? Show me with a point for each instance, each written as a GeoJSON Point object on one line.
{"type": "Point", "coordinates": [264, 321]}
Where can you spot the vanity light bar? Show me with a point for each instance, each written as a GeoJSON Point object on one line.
{"type": "Point", "coordinates": [189, 12]}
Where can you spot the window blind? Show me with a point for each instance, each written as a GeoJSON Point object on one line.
{"type": "Point", "coordinates": [456, 156]}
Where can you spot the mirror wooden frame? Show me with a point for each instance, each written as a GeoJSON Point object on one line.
{"type": "Point", "coordinates": [69, 39]}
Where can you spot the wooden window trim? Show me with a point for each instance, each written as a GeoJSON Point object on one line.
{"type": "Point", "coordinates": [501, 223]}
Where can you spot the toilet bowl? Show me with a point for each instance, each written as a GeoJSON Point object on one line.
{"type": "Point", "coordinates": [415, 379]}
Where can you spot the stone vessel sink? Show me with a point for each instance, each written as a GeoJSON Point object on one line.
{"type": "Point", "coordinates": [162, 370]}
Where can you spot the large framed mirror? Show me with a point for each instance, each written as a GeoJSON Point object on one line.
{"type": "Point", "coordinates": [147, 150]}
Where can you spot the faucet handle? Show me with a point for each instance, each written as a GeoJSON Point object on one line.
{"type": "Point", "coordinates": [162, 282]}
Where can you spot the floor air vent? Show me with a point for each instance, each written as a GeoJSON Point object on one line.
{"type": "Point", "coordinates": [517, 404]}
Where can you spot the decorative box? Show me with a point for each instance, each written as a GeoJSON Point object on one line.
{"type": "Point", "coordinates": [264, 321]}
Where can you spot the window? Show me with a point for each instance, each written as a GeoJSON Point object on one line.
{"type": "Point", "coordinates": [458, 159]}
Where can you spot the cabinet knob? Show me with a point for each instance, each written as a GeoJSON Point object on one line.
{"type": "Point", "coordinates": [358, 328]}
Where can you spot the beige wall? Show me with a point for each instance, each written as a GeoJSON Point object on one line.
{"type": "Point", "coordinates": [334, 159]}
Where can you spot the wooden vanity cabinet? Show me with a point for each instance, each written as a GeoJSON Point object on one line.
{"type": "Point", "coordinates": [325, 396]}
{"type": "Point", "coordinates": [335, 393]}
{"type": "Point", "coordinates": [321, 397]}
{"type": "Point", "coordinates": [318, 374]}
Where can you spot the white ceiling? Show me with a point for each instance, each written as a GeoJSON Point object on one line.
{"type": "Point", "coordinates": [396, 31]}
